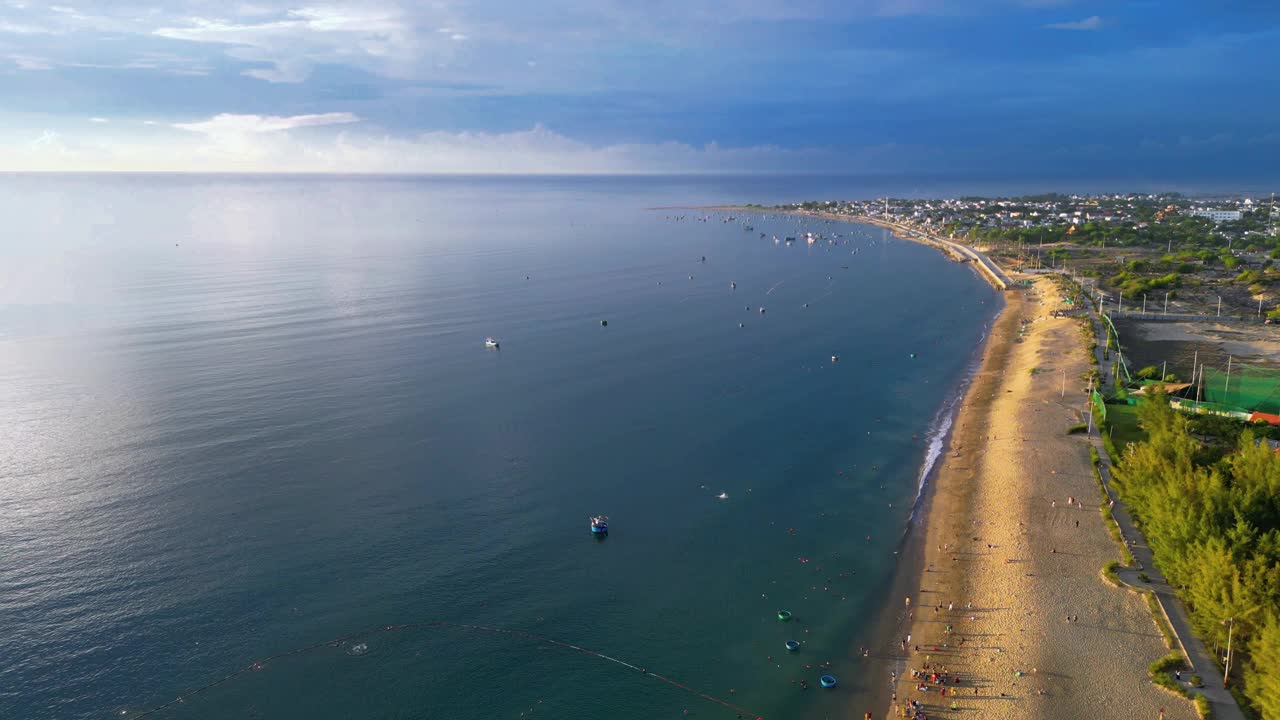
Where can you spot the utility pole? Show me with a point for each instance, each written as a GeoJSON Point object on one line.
{"type": "Point", "coordinates": [1227, 384]}
{"type": "Point", "coordinates": [1120, 308]}
{"type": "Point", "coordinates": [1259, 308]}
{"type": "Point", "coordinates": [1064, 384]}
{"type": "Point", "coordinates": [1166, 303]}
{"type": "Point", "coordinates": [1144, 304]}
{"type": "Point", "coordinates": [1164, 371]}
{"type": "Point", "coordinates": [1219, 306]}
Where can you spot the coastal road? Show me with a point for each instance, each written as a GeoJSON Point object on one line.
{"type": "Point", "coordinates": [1198, 656]}
{"type": "Point", "coordinates": [993, 271]}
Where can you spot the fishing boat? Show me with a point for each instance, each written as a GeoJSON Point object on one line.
{"type": "Point", "coordinates": [491, 343]}
{"type": "Point", "coordinates": [599, 525]}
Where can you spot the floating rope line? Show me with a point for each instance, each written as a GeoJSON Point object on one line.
{"type": "Point", "coordinates": [259, 664]}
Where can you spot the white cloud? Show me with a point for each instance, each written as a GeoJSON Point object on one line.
{"type": "Point", "coordinates": [22, 29]}
{"type": "Point", "coordinates": [385, 40]}
{"type": "Point", "coordinates": [98, 120]}
{"type": "Point", "coordinates": [30, 62]}
{"type": "Point", "coordinates": [236, 143]}
{"type": "Point", "coordinates": [230, 123]}
{"type": "Point", "coordinates": [1092, 22]}
{"type": "Point", "coordinates": [457, 36]}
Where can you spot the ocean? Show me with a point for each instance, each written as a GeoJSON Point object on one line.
{"type": "Point", "coordinates": [242, 417]}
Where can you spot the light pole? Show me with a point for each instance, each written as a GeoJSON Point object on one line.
{"type": "Point", "coordinates": [1144, 304]}
{"type": "Point", "coordinates": [1259, 308]}
{"type": "Point", "coordinates": [1226, 673]}
{"type": "Point", "coordinates": [1166, 303]}
{"type": "Point", "coordinates": [1089, 430]}
{"type": "Point", "coordinates": [1219, 306]}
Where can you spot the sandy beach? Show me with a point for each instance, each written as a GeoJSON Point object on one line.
{"type": "Point", "coordinates": [1009, 599]}
{"type": "Point", "coordinates": [1000, 584]}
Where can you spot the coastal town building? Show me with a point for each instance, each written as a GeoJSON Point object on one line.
{"type": "Point", "coordinates": [1217, 215]}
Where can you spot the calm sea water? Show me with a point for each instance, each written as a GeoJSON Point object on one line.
{"type": "Point", "coordinates": [240, 416]}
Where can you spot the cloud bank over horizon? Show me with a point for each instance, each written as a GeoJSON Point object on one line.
{"type": "Point", "coordinates": [991, 86]}
{"type": "Point", "coordinates": [238, 143]}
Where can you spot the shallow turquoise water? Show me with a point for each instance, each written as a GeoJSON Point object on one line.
{"type": "Point", "coordinates": [245, 415]}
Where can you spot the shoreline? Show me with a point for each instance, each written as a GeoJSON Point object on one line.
{"type": "Point", "coordinates": [986, 268]}
{"type": "Point", "coordinates": [998, 587]}
{"type": "Point", "coordinates": [875, 690]}
{"type": "Point", "coordinates": [1008, 604]}
{"type": "Point", "coordinates": [891, 617]}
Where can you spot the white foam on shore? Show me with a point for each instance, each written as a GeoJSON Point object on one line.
{"type": "Point", "coordinates": [939, 430]}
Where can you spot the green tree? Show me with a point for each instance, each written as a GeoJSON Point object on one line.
{"type": "Point", "coordinates": [1262, 673]}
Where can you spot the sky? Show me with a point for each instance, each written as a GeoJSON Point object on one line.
{"type": "Point", "coordinates": [1173, 88]}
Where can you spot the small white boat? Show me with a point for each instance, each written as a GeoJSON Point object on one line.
{"type": "Point", "coordinates": [491, 343]}
{"type": "Point", "coordinates": [723, 496]}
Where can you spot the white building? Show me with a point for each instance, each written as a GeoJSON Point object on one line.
{"type": "Point", "coordinates": [1217, 215]}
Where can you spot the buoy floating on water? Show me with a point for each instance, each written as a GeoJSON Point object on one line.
{"type": "Point", "coordinates": [793, 645]}
{"type": "Point", "coordinates": [784, 615]}
{"type": "Point", "coordinates": [913, 354]}
{"type": "Point", "coordinates": [835, 358]}
{"type": "Point", "coordinates": [604, 323]}
{"type": "Point", "coordinates": [828, 681]}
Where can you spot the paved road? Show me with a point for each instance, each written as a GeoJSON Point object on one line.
{"type": "Point", "coordinates": [1198, 656]}
{"type": "Point", "coordinates": [992, 270]}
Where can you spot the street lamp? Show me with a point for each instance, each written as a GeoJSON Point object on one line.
{"type": "Point", "coordinates": [1231, 626]}
{"type": "Point", "coordinates": [1166, 303]}
{"type": "Point", "coordinates": [1219, 306]}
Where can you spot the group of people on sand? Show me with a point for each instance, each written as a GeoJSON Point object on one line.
{"type": "Point", "coordinates": [927, 680]}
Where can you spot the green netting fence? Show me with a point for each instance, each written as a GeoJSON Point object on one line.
{"type": "Point", "coordinates": [1248, 388]}
{"type": "Point", "coordinates": [1114, 337]}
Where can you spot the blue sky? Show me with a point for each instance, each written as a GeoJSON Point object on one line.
{"type": "Point", "coordinates": [1175, 89]}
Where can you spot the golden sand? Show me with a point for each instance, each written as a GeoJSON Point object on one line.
{"type": "Point", "coordinates": [1007, 561]}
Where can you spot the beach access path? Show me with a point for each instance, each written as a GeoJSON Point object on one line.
{"type": "Point", "coordinates": [1010, 599]}
{"type": "Point", "coordinates": [1198, 657]}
